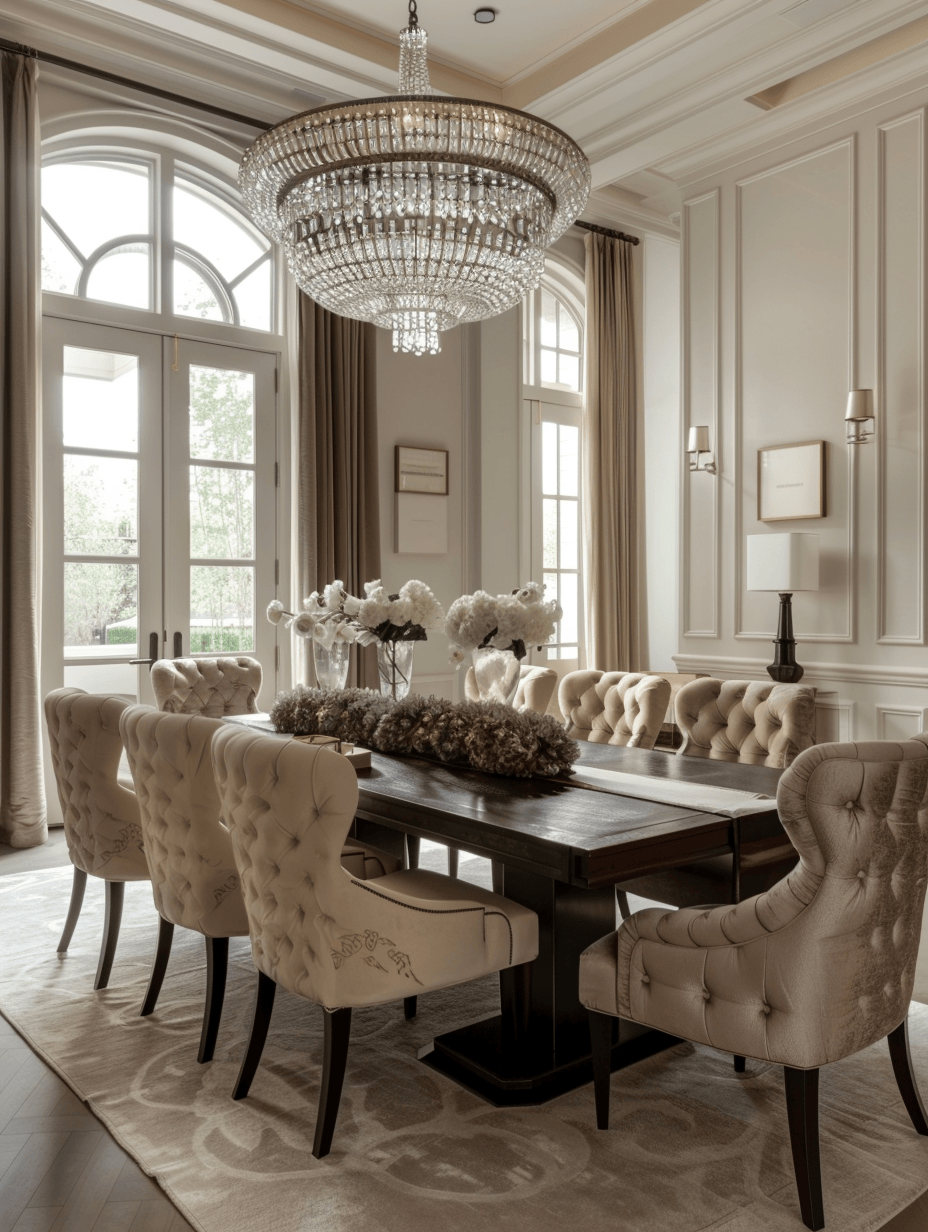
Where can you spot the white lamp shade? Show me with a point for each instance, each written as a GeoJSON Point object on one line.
{"type": "Point", "coordinates": [783, 563]}
{"type": "Point", "coordinates": [859, 404]}
{"type": "Point", "coordinates": [698, 440]}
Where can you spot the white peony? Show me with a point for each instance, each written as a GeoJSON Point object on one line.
{"type": "Point", "coordinates": [275, 611]}
{"type": "Point", "coordinates": [303, 624]}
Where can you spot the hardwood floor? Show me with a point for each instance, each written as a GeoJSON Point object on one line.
{"type": "Point", "coordinates": [61, 1171]}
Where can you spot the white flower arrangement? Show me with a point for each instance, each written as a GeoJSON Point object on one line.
{"type": "Point", "coordinates": [322, 618]}
{"type": "Point", "coordinates": [506, 622]}
{"type": "Point", "coordinates": [336, 616]}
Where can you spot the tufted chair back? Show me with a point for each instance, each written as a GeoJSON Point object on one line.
{"type": "Point", "coordinates": [536, 688]}
{"type": "Point", "coordinates": [193, 874]}
{"type": "Point", "coordinates": [614, 707]}
{"type": "Point", "coordinates": [763, 723]}
{"type": "Point", "coordinates": [213, 687]}
{"type": "Point", "coordinates": [101, 816]}
{"type": "Point", "coordinates": [315, 929]}
{"type": "Point", "coordinates": [822, 965]}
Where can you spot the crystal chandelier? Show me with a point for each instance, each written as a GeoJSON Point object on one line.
{"type": "Point", "coordinates": [415, 212]}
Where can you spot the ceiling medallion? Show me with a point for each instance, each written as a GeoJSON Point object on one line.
{"type": "Point", "coordinates": [416, 212]}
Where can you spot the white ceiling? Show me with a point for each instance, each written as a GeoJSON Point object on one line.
{"type": "Point", "coordinates": [656, 96]}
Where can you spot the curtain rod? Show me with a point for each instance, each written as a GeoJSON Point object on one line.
{"type": "Point", "coordinates": [615, 235]}
{"type": "Point", "coordinates": [47, 58]}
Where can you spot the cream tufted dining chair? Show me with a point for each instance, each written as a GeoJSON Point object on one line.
{"type": "Point", "coordinates": [619, 708]}
{"type": "Point", "coordinates": [536, 688]}
{"type": "Point", "coordinates": [325, 935]}
{"type": "Point", "coordinates": [214, 687]}
{"type": "Point", "coordinates": [193, 874]}
{"type": "Point", "coordinates": [101, 815]}
{"type": "Point", "coordinates": [762, 723]}
{"type": "Point", "coordinates": [812, 971]}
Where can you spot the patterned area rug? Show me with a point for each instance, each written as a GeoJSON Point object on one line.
{"type": "Point", "coordinates": [692, 1146]}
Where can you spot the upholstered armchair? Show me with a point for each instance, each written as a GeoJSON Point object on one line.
{"type": "Point", "coordinates": [325, 935]}
{"type": "Point", "coordinates": [101, 815]}
{"type": "Point", "coordinates": [620, 708]}
{"type": "Point", "coordinates": [812, 971]}
{"type": "Point", "coordinates": [214, 687]}
{"type": "Point", "coordinates": [763, 724]}
{"type": "Point", "coordinates": [193, 873]}
{"type": "Point", "coordinates": [536, 688]}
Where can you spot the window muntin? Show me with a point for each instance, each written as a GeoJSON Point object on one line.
{"type": "Point", "coordinates": [558, 345]}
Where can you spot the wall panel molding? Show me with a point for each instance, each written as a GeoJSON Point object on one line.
{"type": "Point", "coordinates": [835, 720]}
{"type": "Point", "coordinates": [917, 717]}
{"type": "Point", "coordinates": [900, 384]}
{"type": "Point", "coordinates": [701, 407]}
{"type": "Point", "coordinates": [728, 666]}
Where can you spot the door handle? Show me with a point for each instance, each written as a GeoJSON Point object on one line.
{"type": "Point", "coordinates": [178, 645]}
{"type": "Point", "coordinates": [152, 651]}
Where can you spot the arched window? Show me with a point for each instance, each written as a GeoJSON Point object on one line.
{"type": "Point", "coordinates": [553, 384]}
{"type": "Point", "coordinates": [102, 233]}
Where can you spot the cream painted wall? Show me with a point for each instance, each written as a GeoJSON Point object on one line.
{"type": "Point", "coordinates": [804, 275]}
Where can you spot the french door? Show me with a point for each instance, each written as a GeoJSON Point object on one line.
{"type": "Point", "coordinates": [159, 505]}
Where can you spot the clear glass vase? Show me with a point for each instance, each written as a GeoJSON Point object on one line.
{"type": "Point", "coordinates": [497, 674]}
{"type": "Point", "coordinates": [331, 664]}
{"type": "Point", "coordinates": [394, 665]}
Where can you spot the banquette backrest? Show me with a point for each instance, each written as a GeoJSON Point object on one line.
{"type": "Point", "coordinates": [759, 722]}
{"type": "Point", "coordinates": [619, 708]}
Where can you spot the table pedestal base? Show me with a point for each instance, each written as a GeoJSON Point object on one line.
{"type": "Point", "coordinates": [475, 1058]}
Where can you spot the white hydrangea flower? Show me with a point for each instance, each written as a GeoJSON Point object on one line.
{"type": "Point", "coordinates": [275, 611]}
{"type": "Point", "coordinates": [303, 624]}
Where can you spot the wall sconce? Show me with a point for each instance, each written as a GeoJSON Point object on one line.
{"type": "Point", "coordinates": [858, 417]}
{"type": "Point", "coordinates": [697, 447]}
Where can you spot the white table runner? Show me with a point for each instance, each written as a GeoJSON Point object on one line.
{"type": "Point", "coordinates": [700, 797]}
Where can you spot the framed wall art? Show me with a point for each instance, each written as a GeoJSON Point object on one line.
{"type": "Point", "coordinates": [791, 482]}
{"type": "Point", "coordinates": [421, 470]}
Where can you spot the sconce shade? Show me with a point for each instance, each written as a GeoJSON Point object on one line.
{"type": "Point", "coordinates": [859, 404]}
{"type": "Point", "coordinates": [698, 440]}
{"type": "Point", "coordinates": [784, 563]}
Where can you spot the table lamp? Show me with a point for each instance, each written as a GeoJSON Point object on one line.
{"type": "Point", "coordinates": [784, 563]}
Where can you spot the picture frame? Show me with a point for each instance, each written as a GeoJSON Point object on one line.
{"type": "Point", "coordinates": [421, 470]}
{"type": "Point", "coordinates": [791, 482]}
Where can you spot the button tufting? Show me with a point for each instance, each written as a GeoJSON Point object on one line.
{"type": "Point", "coordinates": [706, 994]}
{"type": "Point", "coordinates": [861, 876]}
{"type": "Point", "coordinates": [850, 804]}
{"type": "Point", "coordinates": [646, 979]}
{"type": "Point", "coordinates": [765, 1009]}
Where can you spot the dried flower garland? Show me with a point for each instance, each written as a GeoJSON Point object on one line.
{"type": "Point", "coordinates": [486, 735]}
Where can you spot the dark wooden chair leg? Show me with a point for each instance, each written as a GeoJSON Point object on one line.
{"type": "Point", "coordinates": [621, 899]}
{"type": "Point", "coordinates": [115, 895]}
{"type": "Point", "coordinates": [78, 886]}
{"type": "Point", "coordinates": [335, 1055]}
{"type": "Point", "coordinates": [453, 860]}
{"type": "Point", "coordinates": [159, 966]}
{"type": "Point", "coordinates": [497, 872]}
{"type": "Point", "coordinates": [901, 1057]}
{"type": "Point", "coordinates": [412, 851]}
{"type": "Point", "coordinates": [740, 1065]}
{"type": "Point", "coordinates": [409, 1007]}
{"type": "Point", "coordinates": [515, 996]}
{"type": "Point", "coordinates": [217, 965]}
{"type": "Point", "coordinates": [264, 1005]}
{"type": "Point", "coordinates": [802, 1111]}
{"type": "Point", "coordinates": [602, 1036]}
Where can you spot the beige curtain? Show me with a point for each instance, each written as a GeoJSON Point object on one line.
{"type": "Point", "coordinates": [338, 491]}
{"type": "Point", "coordinates": [22, 794]}
{"type": "Point", "coordinates": [609, 458]}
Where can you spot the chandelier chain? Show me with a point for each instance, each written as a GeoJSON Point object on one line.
{"type": "Point", "coordinates": [413, 15]}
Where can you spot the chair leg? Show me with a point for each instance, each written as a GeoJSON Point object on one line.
{"type": "Point", "coordinates": [497, 872]}
{"type": "Point", "coordinates": [802, 1112]}
{"type": "Point", "coordinates": [335, 1055]}
{"type": "Point", "coordinates": [264, 1004]}
{"type": "Point", "coordinates": [78, 886]}
{"type": "Point", "coordinates": [515, 996]}
{"type": "Point", "coordinates": [901, 1057]}
{"type": "Point", "coordinates": [159, 966]}
{"type": "Point", "coordinates": [740, 1065]}
{"type": "Point", "coordinates": [409, 1007]}
{"type": "Point", "coordinates": [621, 899]}
{"type": "Point", "coordinates": [602, 1035]}
{"type": "Point", "coordinates": [115, 894]}
{"type": "Point", "coordinates": [217, 964]}
{"type": "Point", "coordinates": [412, 850]}
{"type": "Point", "coordinates": [453, 857]}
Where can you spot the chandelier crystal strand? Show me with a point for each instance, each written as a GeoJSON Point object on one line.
{"type": "Point", "coordinates": [417, 212]}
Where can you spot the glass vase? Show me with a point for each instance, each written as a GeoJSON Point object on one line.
{"type": "Point", "coordinates": [394, 665]}
{"type": "Point", "coordinates": [497, 674]}
{"type": "Point", "coordinates": [331, 664]}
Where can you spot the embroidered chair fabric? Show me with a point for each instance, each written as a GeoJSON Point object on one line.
{"type": "Point", "coordinates": [325, 935]}
{"type": "Point", "coordinates": [621, 708]}
{"type": "Point", "coordinates": [536, 688]}
{"type": "Point", "coordinates": [763, 723]}
{"type": "Point", "coordinates": [815, 969]}
{"type": "Point", "coordinates": [101, 815]}
{"type": "Point", "coordinates": [214, 687]}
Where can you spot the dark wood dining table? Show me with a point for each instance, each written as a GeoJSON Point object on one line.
{"type": "Point", "coordinates": [559, 849]}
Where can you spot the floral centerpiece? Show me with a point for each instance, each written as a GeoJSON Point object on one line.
{"type": "Point", "coordinates": [496, 629]}
{"type": "Point", "coordinates": [323, 621]}
{"type": "Point", "coordinates": [394, 623]}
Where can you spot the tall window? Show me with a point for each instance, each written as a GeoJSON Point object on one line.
{"type": "Point", "coordinates": [553, 363]}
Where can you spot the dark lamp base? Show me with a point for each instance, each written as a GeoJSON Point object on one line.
{"type": "Point", "coordinates": [784, 669]}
